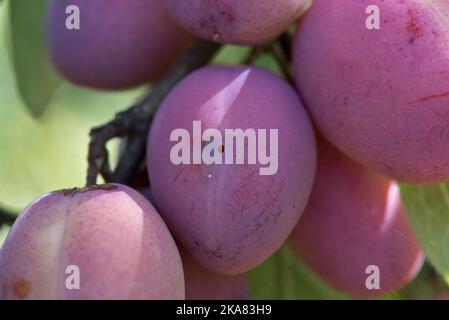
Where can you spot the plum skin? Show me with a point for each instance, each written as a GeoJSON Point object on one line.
{"type": "Point", "coordinates": [354, 219]}
{"type": "Point", "coordinates": [236, 22]}
{"type": "Point", "coordinates": [203, 284]}
{"type": "Point", "coordinates": [381, 95]}
{"type": "Point", "coordinates": [228, 216]}
{"type": "Point", "coordinates": [120, 244]}
{"type": "Point", "coordinates": [120, 44]}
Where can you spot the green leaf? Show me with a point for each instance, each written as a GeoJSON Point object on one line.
{"type": "Point", "coordinates": [231, 54]}
{"type": "Point", "coordinates": [41, 155]}
{"type": "Point", "coordinates": [284, 276]}
{"type": "Point", "coordinates": [427, 285]}
{"type": "Point", "coordinates": [267, 61]}
{"type": "Point", "coordinates": [428, 209]}
{"type": "Point", "coordinates": [35, 78]}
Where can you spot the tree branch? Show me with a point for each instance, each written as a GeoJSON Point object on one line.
{"type": "Point", "coordinates": [6, 217]}
{"type": "Point", "coordinates": [132, 157]}
{"type": "Point", "coordinates": [280, 53]}
{"type": "Point", "coordinates": [285, 41]}
{"type": "Point", "coordinates": [135, 121]}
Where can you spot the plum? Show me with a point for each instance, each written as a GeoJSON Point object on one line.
{"type": "Point", "coordinates": [109, 237]}
{"type": "Point", "coordinates": [353, 224]}
{"type": "Point", "coordinates": [238, 22]}
{"type": "Point", "coordinates": [203, 284]}
{"type": "Point", "coordinates": [379, 95]}
{"type": "Point", "coordinates": [232, 216]}
{"type": "Point", "coordinates": [119, 44]}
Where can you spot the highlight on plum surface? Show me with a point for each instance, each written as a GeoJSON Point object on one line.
{"type": "Point", "coordinates": [238, 22]}
{"type": "Point", "coordinates": [103, 242]}
{"type": "Point", "coordinates": [119, 44]}
{"type": "Point", "coordinates": [380, 96]}
{"type": "Point", "coordinates": [231, 216]}
{"type": "Point", "coordinates": [354, 232]}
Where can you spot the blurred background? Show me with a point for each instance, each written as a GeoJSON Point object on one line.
{"type": "Point", "coordinates": [44, 127]}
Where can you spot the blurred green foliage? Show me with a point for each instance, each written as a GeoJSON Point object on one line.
{"type": "Point", "coordinates": [428, 209]}
{"type": "Point", "coordinates": [35, 78]}
{"type": "Point", "coordinates": [41, 154]}
{"type": "Point", "coordinates": [284, 277]}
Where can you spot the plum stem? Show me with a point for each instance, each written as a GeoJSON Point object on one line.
{"type": "Point", "coordinates": [134, 122]}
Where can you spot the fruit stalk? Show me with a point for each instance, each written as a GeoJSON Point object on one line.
{"type": "Point", "coordinates": [134, 122]}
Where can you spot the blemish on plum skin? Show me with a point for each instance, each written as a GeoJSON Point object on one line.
{"type": "Point", "coordinates": [217, 254]}
{"type": "Point", "coordinates": [430, 98]}
{"type": "Point", "coordinates": [178, 174]}
{"type": "Point", "coordinates": [228, 15]}
{"type": "Point", "coordinates": [74, 191]}
{"type": "Point", "coordinates": [21, 288]}
{"type": "Point", "coordinates": [413, 26]}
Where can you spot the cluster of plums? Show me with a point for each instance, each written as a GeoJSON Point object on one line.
{"type": "Point", "coordinates": [378, 98]}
